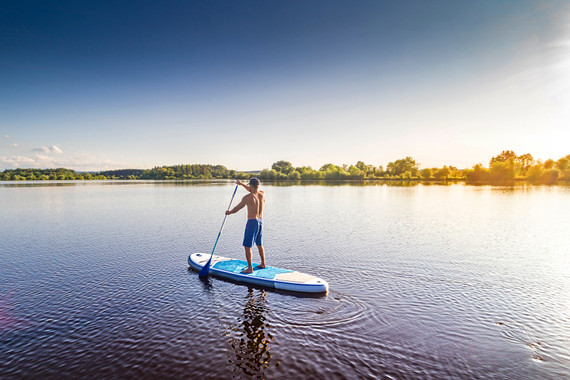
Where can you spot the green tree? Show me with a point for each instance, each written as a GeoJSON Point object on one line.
{"type": "Point", "coordinates": [294, 175]}
{"type": "Point", "coordinates": [362, 166]}
{"type": "Point", "coordinates": [333, 172]}
{"type": "Point", "coordinates": [426, 173]}
{"type": "Point", "coordinates": [326, 167]}
{"type": "Point", "coordinates": [478, 173]}
{"type": "Point", "coordinates": [563, 163]}
{"type": "Point", "coordinates": [526, 160]}
{"type": "Point", "coordinates": [504, 156]}
{"type": "Point", "coordinates": [284, 167]}
{"type": "Point", "coordinates": [370, 171]}
{"type": "Point", "coordinates": [398, 167]}
{"type": "Point", "coordinates": [550, 176]}
{"type": "Point", "coordinates": [443, 173]}
{"type": "Point", "coordinates": [356, 173]}
{"type": "Point", "coordinates": [549, 164]}
{"type": "Point", "coordinates": [268, 175]}
{"type": "Point", "coordinates": [308, 173]}
{"type": "Point", "coordinates": [502, 171]}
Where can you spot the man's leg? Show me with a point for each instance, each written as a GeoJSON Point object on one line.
{"type": "Point", "coordinates": [249, 258]}
{"type": "Point", "coordinates": [262, 255]}
{"type": "Point", "coordinates": [259, 243]}
{"type": "Point", "coordinates": [250, 227]}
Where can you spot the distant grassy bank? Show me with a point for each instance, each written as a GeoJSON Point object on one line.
{"type": "Point", "coordinates": [505, 167]}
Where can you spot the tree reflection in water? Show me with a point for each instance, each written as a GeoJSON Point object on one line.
{"type": "Point", "coordinates": [250, 338]}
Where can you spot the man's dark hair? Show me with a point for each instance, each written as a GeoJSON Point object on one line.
{"type": "Point", "coordinates": [254, 182]}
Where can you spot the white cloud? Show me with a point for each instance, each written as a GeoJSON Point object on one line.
{"type": "Point", "coordinates": [55, 149]}
{"type": "Point", "coordinates": [15, 144]}
{"type": "Point", "coordinates": [17, 162]}
{"type": "Point", "coordinates": [48, 150]}
{"type": "Point", "coordinates": [82, 161]}
{"type": "Point", "coordinates": [6, 136]}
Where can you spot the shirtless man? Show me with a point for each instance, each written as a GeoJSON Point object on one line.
{"type": "Point", "coordinates": [254, 201]}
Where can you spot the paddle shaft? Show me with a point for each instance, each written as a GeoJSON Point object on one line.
{"type": "Point", "coordinates": [205, 269]}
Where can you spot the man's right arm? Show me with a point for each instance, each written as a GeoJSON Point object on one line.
{"type": "Point", "coordinates": [238, 207]}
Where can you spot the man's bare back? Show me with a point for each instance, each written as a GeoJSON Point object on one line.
{"type": "Point", "coordinates": [255, 201]}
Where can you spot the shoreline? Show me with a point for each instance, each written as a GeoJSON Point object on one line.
{"type": "Point", "coordinates": [399, 181]}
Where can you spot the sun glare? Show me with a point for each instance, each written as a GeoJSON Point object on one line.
{"type": "Point", "coordinates": [560, 71]}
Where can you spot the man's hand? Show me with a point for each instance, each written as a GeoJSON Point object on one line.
{"type": "Point", "coordinates": [238, 182]}
{"type": "Point", "coordinates": [238, 207]}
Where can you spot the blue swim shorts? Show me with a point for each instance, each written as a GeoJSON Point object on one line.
{"type": "Point", "coordinates": [253, 229]}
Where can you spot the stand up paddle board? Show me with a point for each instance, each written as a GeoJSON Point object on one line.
{"type": "Point", "coordinates": [270, 277]}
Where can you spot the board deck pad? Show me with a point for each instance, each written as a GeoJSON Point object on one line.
{"type": "Point", "coordinates": [272, 277]}
{"type": "Point", "coordinates": [236, 266]}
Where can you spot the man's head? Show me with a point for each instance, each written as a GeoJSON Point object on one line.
{"type": "Point", "coordinates": [254, 182]}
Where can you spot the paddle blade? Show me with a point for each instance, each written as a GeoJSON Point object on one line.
{"type": "Point", "coordinates": [205, 269]}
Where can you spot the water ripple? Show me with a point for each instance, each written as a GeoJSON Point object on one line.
{"type": "Point", "coordinates": [434, 283]}
{"type": "Point", "coordinates": [335, 309]}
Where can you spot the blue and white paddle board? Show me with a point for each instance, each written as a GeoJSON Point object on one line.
{"type": "Point", "coordinates": [270, 277]}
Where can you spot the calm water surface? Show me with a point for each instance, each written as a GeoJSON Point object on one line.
{"type": "Point", "coordinates": [427, 282]}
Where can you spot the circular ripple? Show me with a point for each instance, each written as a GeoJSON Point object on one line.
{"type": "Point", "coordinates": [335, 309]}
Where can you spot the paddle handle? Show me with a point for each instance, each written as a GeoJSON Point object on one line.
{"type": "Point", "coordinates": [206, 267]}
{"type": "Point", "coordinates": [224, 222]}
{"type": "Point", "coordinates": [230, 205]}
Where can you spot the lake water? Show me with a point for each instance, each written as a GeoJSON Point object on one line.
{"type": "Point", "coordinates": [426, 282]}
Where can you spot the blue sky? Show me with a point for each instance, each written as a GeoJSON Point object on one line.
{"type": "Point", "coordinates": [104, 84]}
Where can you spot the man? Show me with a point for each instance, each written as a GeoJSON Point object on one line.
{"type": "Point", "coordinates": [254, 201]}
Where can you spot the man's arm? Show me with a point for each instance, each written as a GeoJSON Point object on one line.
{"type": "Point", "coordinates": [244, 185]}
{"type": "Point", "coordinates": [238, 207]}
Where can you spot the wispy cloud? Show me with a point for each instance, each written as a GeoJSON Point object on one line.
{"type": "Point", "coordinates": [17, 162]}
{"type": "Point", "coordinates": [45, 158]}
{"type": "Point", "coordinates": [48, 150]}
{"type": "Point", "coordinates": [8, 144]}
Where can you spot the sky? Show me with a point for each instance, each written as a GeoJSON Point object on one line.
{"type": "Point", "coordinates": [97, 85]}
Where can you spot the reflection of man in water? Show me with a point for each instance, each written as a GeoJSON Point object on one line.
{"type": "Point", "coordinates": [251, 341]}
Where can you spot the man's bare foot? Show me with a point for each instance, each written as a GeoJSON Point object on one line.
{"type": "Point", "coordinates": [260, 266]}
{"type": "Point", "coordinates": [247, 271]}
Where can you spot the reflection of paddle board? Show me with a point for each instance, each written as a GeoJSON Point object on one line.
{"type": "Point", "coordinates": [271, 277]}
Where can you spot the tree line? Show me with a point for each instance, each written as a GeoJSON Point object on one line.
{"type": "Point", "coordinates": [503, 168]}
{"type": "Point", "coordinates": [507, 166]}
{"type": "Point", "coordinates": [60, 174]}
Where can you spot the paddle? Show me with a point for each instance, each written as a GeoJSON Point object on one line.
{"type": "Point", "coordinates": [206, 268]}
